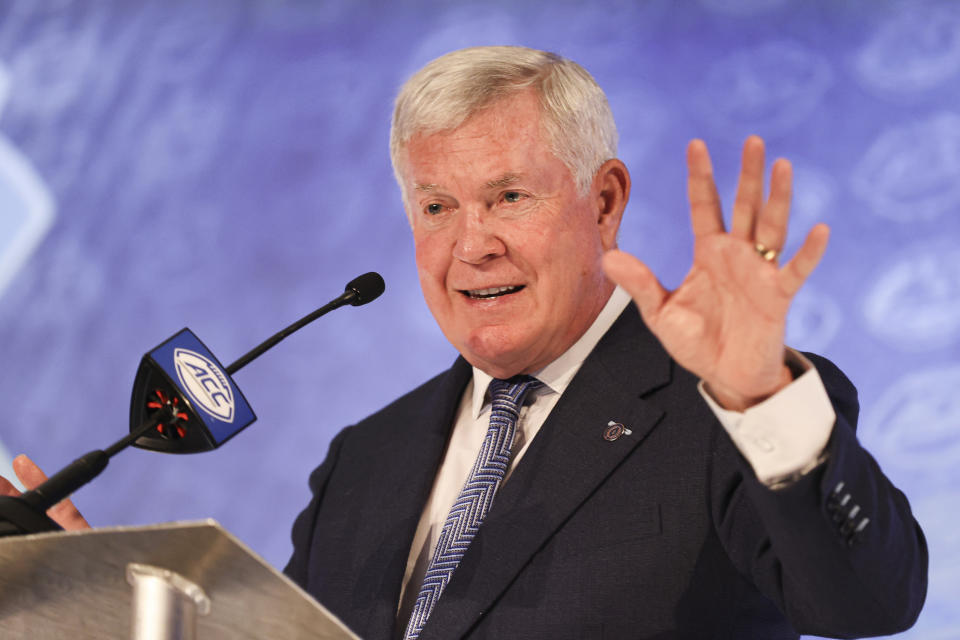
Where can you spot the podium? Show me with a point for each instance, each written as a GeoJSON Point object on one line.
{"type": "Point", "coordinates": [187, 580]}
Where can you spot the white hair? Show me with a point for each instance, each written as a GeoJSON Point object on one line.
{"type": "Point", "coordinates": [577, 121]}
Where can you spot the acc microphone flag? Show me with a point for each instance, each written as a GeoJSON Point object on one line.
{"type": "Point", "coordinates": [205, 404]}
{"type": "Point", "coordinates": [193, 399]}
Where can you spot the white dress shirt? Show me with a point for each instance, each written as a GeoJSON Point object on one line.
{"type": "Point", "coordinates": [780, 436]}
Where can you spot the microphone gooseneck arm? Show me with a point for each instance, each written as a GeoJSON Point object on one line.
{"type": "Point", "coordinates": [358, 291]}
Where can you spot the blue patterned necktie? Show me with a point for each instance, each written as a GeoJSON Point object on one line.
{"type": "Point", "coordinates": [476, 497]}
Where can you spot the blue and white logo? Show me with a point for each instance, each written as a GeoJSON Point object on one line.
{"type": "Point", "coordinates": [205, 383]}
{"type": "Point", "coordinates": [202, 381]}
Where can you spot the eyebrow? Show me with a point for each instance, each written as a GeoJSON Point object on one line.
{"type": "Point", "coordinates": [503, 181]}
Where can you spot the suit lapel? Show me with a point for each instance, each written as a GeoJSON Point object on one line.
{"type": "Point", "coordinates": [404, 456]}
{"type": "Point", "coordinates": [566, 462]}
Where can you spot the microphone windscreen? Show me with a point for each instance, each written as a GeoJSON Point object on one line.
{"type": "Point", "coordinates": [365, 288]}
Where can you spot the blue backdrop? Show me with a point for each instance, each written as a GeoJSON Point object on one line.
{"type": "Point", "coordinates": [223, 165]}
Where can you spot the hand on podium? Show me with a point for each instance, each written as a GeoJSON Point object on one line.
{"type": "Point", "coordinates": [63, 513]}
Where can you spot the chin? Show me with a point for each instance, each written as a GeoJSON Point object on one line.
{"type": "Point", "coordinates": [498, 351]}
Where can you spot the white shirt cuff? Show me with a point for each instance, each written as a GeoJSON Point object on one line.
{"type": "Point", "coordinates": [786, 433]}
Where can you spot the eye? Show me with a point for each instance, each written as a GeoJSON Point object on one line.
{"type": "Point", "coordinates": [434, 208]}
{"type": "Point", "coordinates": [513, 196]}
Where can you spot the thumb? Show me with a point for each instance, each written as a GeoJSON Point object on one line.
{"type": "Point", "coordinates": [637, 280]}
{"type": "Point", "coordinates": [28, 472]}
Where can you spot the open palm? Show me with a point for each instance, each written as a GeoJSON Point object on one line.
{"type": "Point", "coordinates": [726, 320]}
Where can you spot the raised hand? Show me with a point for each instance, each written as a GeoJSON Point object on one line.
{"type": "Point", "coordinates": [63, 513]}
{"type": "Point", "coordinates": [726, 321]}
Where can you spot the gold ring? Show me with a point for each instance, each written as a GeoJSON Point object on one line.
{"type": "Point", "coordinates": [770, 255]}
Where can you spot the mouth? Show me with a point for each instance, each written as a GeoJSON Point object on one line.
{"type": "Point", "coordinates": [492, 292]}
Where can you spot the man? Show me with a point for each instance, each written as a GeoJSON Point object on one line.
{"type": "Point", "coordinates": [616, 498]}
{"type": "Point", "coordinates": [626, 509]}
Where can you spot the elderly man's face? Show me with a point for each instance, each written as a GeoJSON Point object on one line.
{"type": "Point", "coordinates": [508, 252]}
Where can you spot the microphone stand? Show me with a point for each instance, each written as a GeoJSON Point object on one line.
{"type": "Point", "coordinates": [27, 513]}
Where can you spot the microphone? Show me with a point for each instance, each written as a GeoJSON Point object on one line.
{"type": "Point", "coordinates": [364, 289]}
{"type": "Point", "coordinates": [183, 402]}
{"type": "Point", "coordinates": [204, 407]}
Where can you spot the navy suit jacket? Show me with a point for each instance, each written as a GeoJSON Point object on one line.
{"type": "Point", "coordinates": [663, 533]}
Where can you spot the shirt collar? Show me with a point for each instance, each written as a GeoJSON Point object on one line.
{"type": "Point", "coordinates": [558, 374]}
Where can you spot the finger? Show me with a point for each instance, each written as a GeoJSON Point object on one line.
{"type": "Point", "coordinates": [67, 516]}
{"type": "Point", "coordinates": [64, 512]}
{"type": "Point", "coordinates": [28, 472]}
{"type": "Point", "coordinates": [705, 211]}
{"type": "Point", "coordinates": [749, 199]}
{"type": "Point", "coordinates": [637, 280]}
{"type": "Point", "coordinates": [771, 230]}
{"type": "Point", "coordinates": [795, 273]}
{"type": "Point", "coordinates": [7, 488]}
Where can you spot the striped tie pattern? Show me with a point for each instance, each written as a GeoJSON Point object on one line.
{"type": "Point", "coordinates": [475, 498]}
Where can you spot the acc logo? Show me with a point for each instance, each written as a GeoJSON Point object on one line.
{"type": "Point", "coordinates": [205, 383]}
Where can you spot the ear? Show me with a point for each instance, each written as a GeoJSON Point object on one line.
{"type": "Point", "coordinates": [611, 190]}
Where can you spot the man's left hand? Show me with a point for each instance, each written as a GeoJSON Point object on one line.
{"type": "Point", "coordinates": [726, 321]}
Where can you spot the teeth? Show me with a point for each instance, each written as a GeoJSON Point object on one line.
{"type": "Point", "coordinates": [491, 292]}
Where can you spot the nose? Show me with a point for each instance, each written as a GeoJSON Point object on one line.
{"type": "Point", "coordinates": [477, 241]}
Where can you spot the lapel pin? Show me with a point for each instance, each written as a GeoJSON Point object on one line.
{"type": "Point", "coordinates": [614, 430]}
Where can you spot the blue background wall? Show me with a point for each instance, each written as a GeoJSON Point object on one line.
{"type": "Point", "coordinates": [223, 165]}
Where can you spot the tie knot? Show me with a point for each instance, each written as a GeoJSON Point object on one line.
{"type": "Point", "coordinates": [512, 391]}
